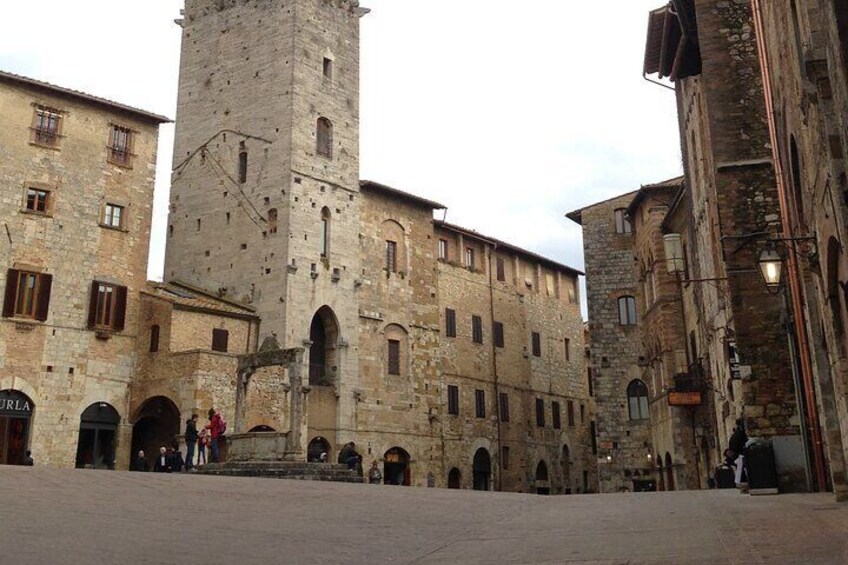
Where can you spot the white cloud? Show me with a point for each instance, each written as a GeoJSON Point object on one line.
{"type": "Point", "coordinates": [510, 113]}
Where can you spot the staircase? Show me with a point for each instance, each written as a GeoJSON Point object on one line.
{"type": "Point", "coordinates": [282, 470]}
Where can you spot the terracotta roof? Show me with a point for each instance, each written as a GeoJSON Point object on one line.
{"type": "Point", "coordinates": [577, 215]}
{"type": "Point", "coordinates": [671, 185]}
{"type": "Point", "coordinates": [82, 96]}
{"type": "Point", "coordinates": [503, 244]}
{"type": "Point", "coordinates": [186, 297]}
{"type": "Point", "coordinates": [377, 187]}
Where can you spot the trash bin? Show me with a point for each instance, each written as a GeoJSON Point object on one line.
{"type": "Point", "coordinates": [759, 463]}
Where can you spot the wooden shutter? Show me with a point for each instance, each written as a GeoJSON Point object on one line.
{"type": "Point", "coordinates": [42, 305]}
{"type": "Point", "coordinates": [120, 309]}
{"type": "Point", "coordinates": [92, 306]}
{"type": "Point", "coordinates": [570, 413]}
{"type": "Point", "coordinates": [11, 291]}
{"type": "Point", "coordinates": [537, 344]}
{"type": "Point", "coordinates": [450, 322]}
{"type": "Point", "coordinates": [504, 402]}
{"type": "Point", "coordinates": [220, 340]}
{"type": "Point", "coordinates": [498, 334]}
{"type": "Point", "coordinates": [477, 329]}
{"type": "Point", "coordinates": [555, 415]}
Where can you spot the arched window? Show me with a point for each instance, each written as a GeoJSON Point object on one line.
{"type": "Point", "coordinates": [637, 400]}
{"type": "Point", "coordinates": [627, 311]}
{"type": "Point", "coordinates": [324, 239]}
{"type": "Point", "coordinates": [396, 350]}
{"type": "Point", "coordinates": [622, 222]}
{"type": "Point", "coordinates": [324, 135]}
{"type": "Point", "coordinates": [323, 353]}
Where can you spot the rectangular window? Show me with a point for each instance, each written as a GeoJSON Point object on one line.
{"type": "Point", "coordinates": [108, 306]}
{"type": "Point", "coordinates": [113, 216]}
{"type": "Point", "coordinates": [450, 322]}
{"type": "Point", "coordinates": [480, 402]}
{"type": "Point", "coordinates": [120, 146]}
{"type": "Point", "coordinates": [503, 404]}
{"type": "Point", "coordinates": [627, 311]}
{"type": "Point", "coordinates": [567, 349]}
{"type": "Point", "coordinates": [550, 285]}
{"type": "Point", "coordinates": [220, 340]}
{"type": "Point", "coordinates": [477, 329]}
{"type": "Point", "coordinates": [622, 222]}
{"type": "Point", "coordinates": [590, 374]}
{"type": "Point", "coordinates": [537, 344]}
{"type": "Point", "coordinates": [328, 68]}
{"type": "Point", "coordinates": [394, 357]}
{"type": "Point", "coordinates": [540, 413]}
{"type": "Point", "coordinates": [154, 338]}
{"type": "Point", "coordinates": [498, 333]}
{"type": "Point", "coordinates": [45, 127]}
{"type": "Point", "coordinates": [582, 413]}
{"type": "Point", "coordinates": [453, 399]}
{"type": "Point", "coordinates": [469, 257]}
{"type": "Point", "coordinates": [391, 256]}
{"type": "Point", "coordinates": [501, 269]}
{"type": "Point", "coordinates": [27, 295]}
{"type": "Point", "coordinates": [37, 200]}
{"type": "Point", "coordinates": [443, 249]}
{"type": "Point", "coordinates": [556, 416]}
{"type": "Point", "coordinates": [571, 413]}
{"type": "Point", "coordinates": [592, 436]}
{"type": "Point", "coordinates": [324, 240]}
{"type": "Point", "coordinates": [242, 166]}
{"type": "Point", "coordinates": [572, 291]}
{"type": "Point", "coordinates": [505, 457]}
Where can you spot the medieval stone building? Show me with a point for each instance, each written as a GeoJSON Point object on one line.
{"type": "Point", "coordinates": [453, 358]}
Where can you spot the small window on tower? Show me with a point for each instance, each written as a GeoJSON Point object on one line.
{"type": "Point", "coordinates": [324, 134]}
{"type": "Point", "coordinates": [242, 164]}
{"type": "Point", "coordinates": [328, 68]}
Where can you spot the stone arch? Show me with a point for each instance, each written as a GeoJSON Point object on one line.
{"type": "Point", "coordinates": [482, 469]}
{"type": "Point", "coordinates": [16, 411]}
{"type": "Point", "coordinates": [397, 467]}
{"type": "Point", "coordinates": [393, 231]}
{"type": "Point", "coordinates": [98, 437]}
{"type": "Point", "coordinates": [156, 423]}
{"type": "Point", "coordinates": [324, 333]}
{"type": "Point", "coordinates": [455, 479]}
{"type": "Point", "coordinates": [396, 357]}
{"type": "Point", "coordinates": [317, 447]}
{"type": "Point", "coordinates": [261, 428]}
{"type": "Point", "coordinates": [637, 400]}
{"type": "Point", "coordinates": [543, 485]}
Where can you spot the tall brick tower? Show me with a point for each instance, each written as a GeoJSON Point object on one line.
{"type": "Point", "coordinates": [265, 190]}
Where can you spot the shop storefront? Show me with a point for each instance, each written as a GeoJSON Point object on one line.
{"type": "Point", "coordinates": [16, 411]}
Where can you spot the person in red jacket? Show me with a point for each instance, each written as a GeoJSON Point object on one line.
{"type": "Point", "coordinates": [214, 427]}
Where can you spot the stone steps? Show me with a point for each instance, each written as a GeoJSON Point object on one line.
{"type": "Point", "coordinates": [283, 470]}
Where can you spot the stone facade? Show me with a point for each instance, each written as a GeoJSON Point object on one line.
{"type": "Point", "coordinates": [61, 171]}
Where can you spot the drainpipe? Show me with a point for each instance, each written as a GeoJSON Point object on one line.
{"type": "Point", "coordinates": [495, 370]}
{"type": "Point", "coordinates": [794, 279]}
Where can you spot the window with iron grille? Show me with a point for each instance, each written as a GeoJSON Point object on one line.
{"type": "Point", "coordinates": [537, 344]}
{"type": "Point", "coordinates": [38, 200]}
{"type": "Point", "coordinates": [498, 333]}
{"type": "Point", "coordinates": [477, 329]}
{"type": "Point", "coordinates": [394, 357]}
{"type": "Point", "coordinates": [108, 305]}
{"type": "Point", "coordinates": [120, 146]}
{"type": "Point", "coordinates": [570, 412]}
{"type": "Point", "coordinates": [556, 417]}
{"type": "Point", "coordinates": [391, 256]}
{"type": "Point", "coordinates": [46, 126]}
{"type": "Point", "coordinates": [113, 216]}
{"type": "Point", "coordinates": [503, 403]}
{"type": "Point", "coordinates": [450, 322]}
{"type": "Point", "coordinates": [480, 402]}
{"type": "Point", "coordinates": [453, 399]}
{"type": "Point", "coordinates": [27, 295]}
{"type": "Point", "coordinates": [540, 413]}
{"type": "Point", "coordinates": [220, 340]}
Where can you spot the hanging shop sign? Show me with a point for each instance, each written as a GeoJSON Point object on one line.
{"type": "Point", "coordinates": [684, 398]}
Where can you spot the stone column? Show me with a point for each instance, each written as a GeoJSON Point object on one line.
{"type": "Point", "coordinates": [295, 441]}
{"type": "Point", "coordinates": [241, 393]}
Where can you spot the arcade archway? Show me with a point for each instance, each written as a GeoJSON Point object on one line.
{"type": "Point", "coordinates": [157, 424]}
{"type": "Point", "coordinates": [16, 410]}
{"type": "Point", "coordinates": [396, 469]}
{"type": "Point", "coordinates": [317, 447]}
{"type": "Point", "coordinates": [455, 479]}
{"type": "Point", "coordinates": [323, 353]}
{"type": "Point", "coordinates": [482, 470]}
{"type": "Point", "coordinates": [543, 485]}
{"type": "Point", "coordinates": [97, 437]}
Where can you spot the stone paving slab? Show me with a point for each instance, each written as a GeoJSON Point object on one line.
{"type": "Point", "coordinates": [101, 517]}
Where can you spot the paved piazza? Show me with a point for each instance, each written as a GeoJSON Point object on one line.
{"type": "Point", "coordinates": [84, 517]}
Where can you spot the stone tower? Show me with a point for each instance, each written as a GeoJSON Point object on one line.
{"type": "Point", "coordinates": [265, 191]}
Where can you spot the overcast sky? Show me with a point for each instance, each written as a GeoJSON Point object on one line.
{"type": "Point", "coordinates": [510, 113]}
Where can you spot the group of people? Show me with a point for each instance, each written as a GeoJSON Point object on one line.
{"type": "Point", "coordinates": [350, 457]}
{"type": "Point", "coordinates": [170, 459]}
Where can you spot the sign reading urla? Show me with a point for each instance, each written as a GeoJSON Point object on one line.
{"type": "Point", "coordinates": [14, 403]}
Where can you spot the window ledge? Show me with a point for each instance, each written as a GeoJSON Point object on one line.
{"type": "Point", "coordinates": [55, 147]}
{"type": "Point", "coordinates": [125, 166]}
{"type": "Point", "coordinates": [36, 214]}
{"type": "Point", "coordinates": [25, 324]}
{"type": "Point", "coordinates": [104, 333]}
{"type": "Point", "coordinates": [114, 228]}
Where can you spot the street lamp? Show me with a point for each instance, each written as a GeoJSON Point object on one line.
{"type": "Point", "coordinates": [771, 267]}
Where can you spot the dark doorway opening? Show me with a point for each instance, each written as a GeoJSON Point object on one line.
{"type": "Point", "coordinates": [260, 429]}
{"type": "Point", "coordinates": [566, 470]}
{"type": "Point", "coordinates": [157, 424]}
{"type": "Point", "coordinates": [324, 335]}
{"type": "Point", "coordinates": [543, 485]}
{"type": "Point", "coordinates": [15, 422]}
{"type": "Point", "coordinates": [644, 485]}
{"type": "Point", "coordinates": [454, 479]}
{"type": "Point", "coordinates": [317, 447]}
{"type": "Point", "coordinates": [482, 469]}
{"type": "Point", "coordinates": [97, 437]}
{"type": "Point", "coordinates": [396, 469]}
{"type": "Point", "coordinates": [669, 472]}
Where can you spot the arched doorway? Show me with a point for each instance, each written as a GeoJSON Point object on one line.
{"type": "Point", "coordinates": [454, 479]}
{"type": "Point", "coordinates": [323, 353]}
{"type": "Point", "coordinates": [669, 472]}
{"type": "Point", "coordinates": [16, 410]}
{"type": "Point", "coordinates": [566, 470]}
{"type": "Point", "coordinates": [316, 448]}
{"type": "Point", "coordinates": [482, 470]}
{"type": "Point", "coordinates": [156, 425]}
{"type": "Point", "coordinates": [396, 469]}
{"type": "Point", "coordinates": [543, 485]}
{"type": "Point", "coordinates": [97, 437]}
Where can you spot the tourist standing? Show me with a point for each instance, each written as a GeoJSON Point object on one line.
{"type": "Point", "coordinates": [202, 442]}
{"type": "Point", "coordinates": [215, 426]}
{"type": "Point", "coordinates": [374, 474]}
{"type": "Point", "coordinates": [163, 462]}
{"type": "Point", "coordinates": [191, 441]}
{"type": "Point", "coordinates": [140, 463]}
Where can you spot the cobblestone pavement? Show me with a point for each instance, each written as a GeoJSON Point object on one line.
{"type": "Point", "coordinates": [104, 518]}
